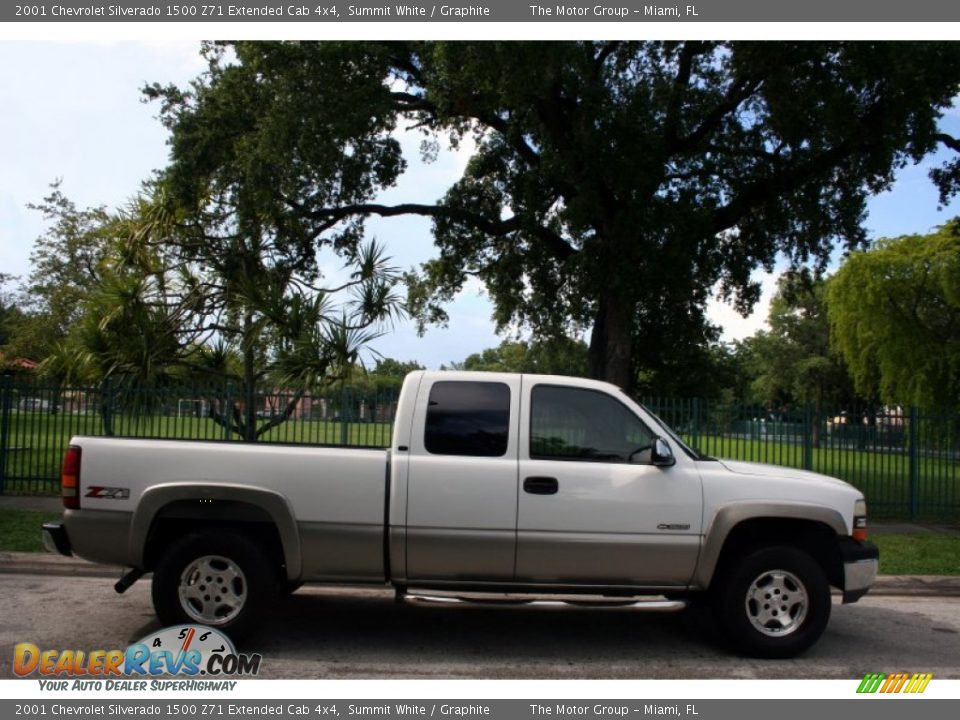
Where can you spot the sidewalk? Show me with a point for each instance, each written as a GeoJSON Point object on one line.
{"type": "Point", "coordinates": [35, 503]}
{"type": "Point", "coordinates": [894, 527]}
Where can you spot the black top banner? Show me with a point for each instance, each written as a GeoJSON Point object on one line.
{"type": "Point", "coordinates": [325, 11]}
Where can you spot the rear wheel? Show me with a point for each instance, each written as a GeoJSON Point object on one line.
{"type": "Point", "coordinates": [220, 580]}
{"type": "Point", "coordinates": [774, 602]}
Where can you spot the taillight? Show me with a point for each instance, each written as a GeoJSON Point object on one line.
{"type": "Point", "coordinates": [860, 520]}
{"type": "Point", "coordinates": [70, 478]}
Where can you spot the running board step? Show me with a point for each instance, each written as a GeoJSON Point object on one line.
{"type": "Point", "coordinates": [642, 605]}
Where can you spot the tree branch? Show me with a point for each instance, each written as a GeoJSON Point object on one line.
{"type": "Point", "coordinates": [606, 51]}
{"type": "Point", "coordinates": [948, 140]}
{"type": "Point", "coordinates": [560, 248]}
{"type": "Point", "coordinates": [283, 416]}
{"type": "Point", "coordinates": [774, 185]}
{"type": "Point", "coordinates": [792, 175]}
{"type": "Point", "coordinates": [738, 92]}
{"type": "Point", "coordinates": [409, 102]}
{"type": "Point", "coordinates": [224, 420]}
{"type": "Point", "coordinates": [778, 183]}
{"type": "Point", "coordinates": [553, 113]}
{"type": "Point", "coordinates": [688, 52]}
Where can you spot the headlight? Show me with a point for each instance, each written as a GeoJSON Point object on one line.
{"type": "Point", "coordinates": [860, 520]}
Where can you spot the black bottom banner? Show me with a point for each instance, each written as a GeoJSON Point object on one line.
{"type": "Point", "coordinates": [875, 708]}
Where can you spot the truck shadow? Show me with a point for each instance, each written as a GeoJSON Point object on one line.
{"type": "Point", "coordinates": [370, 629]}
{"type": "Point", "coordinates": [330, 633]}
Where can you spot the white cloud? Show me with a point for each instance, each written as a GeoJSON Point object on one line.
{"type": "Point", "coordinates": [736, 326]}
{"type": "Point", "coordinates": [74, 112]}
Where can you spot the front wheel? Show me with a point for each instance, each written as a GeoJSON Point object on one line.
{"type": "Point", "coordinates": [221, 580]}
{"type": "Point", "coordinates": [774, 603]}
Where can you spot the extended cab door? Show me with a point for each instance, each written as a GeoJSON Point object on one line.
{"type": "Point", "coordinates": [462, 483]}
{"type": "Point", "coordinates": [591, 507]}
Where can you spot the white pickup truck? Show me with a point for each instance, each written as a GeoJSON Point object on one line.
{"type": "Point", "coordinates": [494, 483]}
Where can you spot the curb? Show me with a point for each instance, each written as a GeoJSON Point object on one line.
{"type": "Point", "coordinates": [12, 563]}
{"type": "Point", "coordinates": [40, 563]}
{"type": "Point", "coordinates": [917, 585]}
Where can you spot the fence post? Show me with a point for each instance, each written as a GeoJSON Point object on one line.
{"type": "Point", "coordinates": [913, 450]}
{"type": "Point", "coordinates": [696, 423]}
{"type": "Point", "coordinates": [344, 430]}
{"type": "Point", "coordinates": [228, 412]}
{"type": "Point", "coordinates": [808, 438]}
{"type": "Point", "coordinates": [6, 393]}
{"type": "Point", "coordinates": [106, 400]}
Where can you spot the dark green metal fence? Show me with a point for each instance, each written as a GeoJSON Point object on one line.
{"type": "Point", "coordinates": [904, 459]}
{"type": "Point", "coordinates": [37, 421]}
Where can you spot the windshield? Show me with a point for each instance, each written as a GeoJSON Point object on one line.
{"type": "Point", "coordinates": [692, 452]}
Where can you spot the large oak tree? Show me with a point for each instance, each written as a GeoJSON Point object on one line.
{"type": "Point", "coordinates": [614, 185]}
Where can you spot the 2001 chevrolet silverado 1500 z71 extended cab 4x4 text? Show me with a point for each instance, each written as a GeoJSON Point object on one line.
{"type": "Point", "coordinates": [493, 483]}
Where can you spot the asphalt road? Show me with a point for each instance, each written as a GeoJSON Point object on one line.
{"type": "Point", "coordinates": [322, 633]}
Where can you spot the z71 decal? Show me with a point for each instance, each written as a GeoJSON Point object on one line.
{"type": "Point", "coordinates": [108, 492]}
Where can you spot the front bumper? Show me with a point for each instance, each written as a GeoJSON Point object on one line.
{"type": "Point", "coordinates": [861, 560]}
{"type": "Point", "coordinates": [55, 538]}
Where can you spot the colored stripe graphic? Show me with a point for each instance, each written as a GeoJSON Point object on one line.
{"type": "Point", "coordinates": [896, 683]}
{"type": "Point", "coordinates": [920, 684]}
{"type": "Point", "coordinates": [871, 682]}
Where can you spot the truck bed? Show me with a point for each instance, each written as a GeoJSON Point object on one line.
{"type": "Point", "coordinates": [336, 496]}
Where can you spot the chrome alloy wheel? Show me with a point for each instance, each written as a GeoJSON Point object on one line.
{"type": "Point", "coordinates": [212, 590]}
{"type": "Point", "coordinates": [777, 603]}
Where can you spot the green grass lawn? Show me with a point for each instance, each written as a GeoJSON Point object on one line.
{"type": "Point", "coordinates": [918, 554]}
{"type": "Point", "coordinates": [20, 529]}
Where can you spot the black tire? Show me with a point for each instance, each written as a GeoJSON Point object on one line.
{"type": "Point", "coordinates": [219, 579]}
{"type": "Point", "coordinates": [774, 602]}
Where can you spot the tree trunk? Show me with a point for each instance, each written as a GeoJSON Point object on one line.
{"type": "Point", "coordinates": [249, 380]}
{"type": "Point", "coordinates": [610, 356]}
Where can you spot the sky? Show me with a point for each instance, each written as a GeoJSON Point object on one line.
{"type": "Point", "coordinates": [73, 112]}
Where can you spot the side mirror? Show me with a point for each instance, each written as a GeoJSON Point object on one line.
{"type": "Point", "coordinates": [662, 455]}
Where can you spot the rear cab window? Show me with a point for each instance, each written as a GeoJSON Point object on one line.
{"type": "Point", "coordinates": [468, 418]}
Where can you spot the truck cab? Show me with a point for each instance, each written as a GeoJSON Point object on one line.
{"type": "Point", "coordinates": [533, 480]}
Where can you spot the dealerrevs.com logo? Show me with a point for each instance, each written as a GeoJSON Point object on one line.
{"type": "Point", "coordinates": [187, 651]}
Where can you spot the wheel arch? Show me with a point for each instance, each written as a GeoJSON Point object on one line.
{"type": "Point", "coordinates": [173, 507]}
{"type": "Point", "coordinates": [811, 528]}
